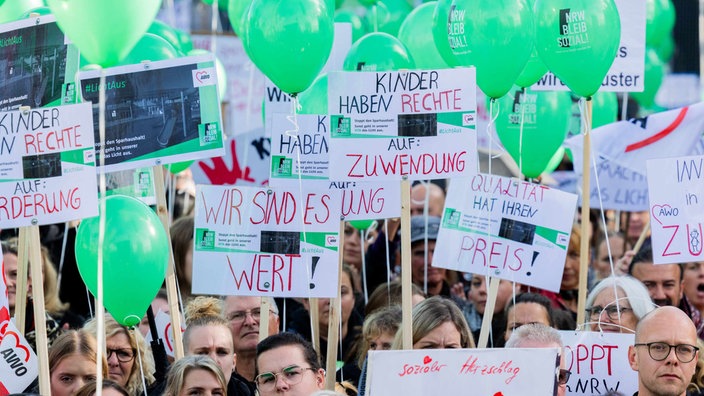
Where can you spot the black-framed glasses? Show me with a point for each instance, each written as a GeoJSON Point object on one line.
{"type": "Point", "coordinates": [612, 311]}
{"type": "Point", "coordinates": [661, 350]}
{"type": "Point", "coordinates": [123, 355]}
{"type": "Point", "coordinates": [563, 376]}
{"type": "Point", "coordinates": [291, 375]}
{"type": "Point", "coordinates": [239, 316]}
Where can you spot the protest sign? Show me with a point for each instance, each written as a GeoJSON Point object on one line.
{"type": "Point", "coordinates": [299, 158]}
{"type": "Point", "coordinates": [598, 363]}
{"type": "Point", "coordinates": [18, 362]}
{"type": "Point", "coordinates": [627, 73]}
{"type": "Point", "coordinates": [137, 183]}
{"type": "Point", "coordinates": [416, 123]}
{"type": "Point", "coordinates": [47, 170]}
{"type": "Point", "coordinates": [490, 372]}
{"type": "Point", "coordinates": [674, 189]}
{"type": "Point", "coordinates": [506, 228]}
{"type": "Point", "coordinates": [258, 241]}
{"type": "Point", "coordinates": [621, 188]}
{"type": "Point", "coordinates": [157, 113]}
{"type": "Point", "coordinates": [38, 64]}
{"type": "Point", "coordinates": [165, 331]}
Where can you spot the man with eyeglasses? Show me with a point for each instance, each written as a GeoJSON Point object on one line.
{"type": "Point", "coordinates": [287, 363]}
{"type": "Point", "coordinates": [538, 335]}
{"type": "Point", "coordinates": [244, 314]}
{"type": "Point", "coordinates": [664, 353]}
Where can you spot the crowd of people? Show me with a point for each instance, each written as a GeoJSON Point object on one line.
{"type": "Point", "coordinates": [224, 354]}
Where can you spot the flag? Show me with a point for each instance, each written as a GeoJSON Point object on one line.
{"type": "Point", "coordinates": [672, 133]}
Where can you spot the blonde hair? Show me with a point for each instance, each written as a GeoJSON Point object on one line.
{"type": "Point", "coordinates": [80, 342]}
{"type": "Point", "coordinates": [204, 311]}
{"type": "Point", "coordinates": [430, 314]}
{"type": "Point", "coordinates": [139, 346]}
{"type": "Point", "coordinates": [178, 371]}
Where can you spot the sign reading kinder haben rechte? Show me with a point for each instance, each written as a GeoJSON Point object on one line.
{"type": "Point", "coordinates": [416, 123]}
{"type": "Point", "coordinates": [157, 113]}
{"type": "Point", "coordinates": [511, 229]}
{"type": "Point", "coordinates": [47, 166]}
{"type": "Point", "coordinates": [265, 241]}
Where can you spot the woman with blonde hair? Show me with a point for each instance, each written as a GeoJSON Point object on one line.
{"type": "Point", "coordinates": [195, 373]}
{"type": "Point", "coordinates": [125, 351]}
{"type": "Point", "coordinates": [437, 324]}
{"type": "Point", "coordinates": [73, 362]}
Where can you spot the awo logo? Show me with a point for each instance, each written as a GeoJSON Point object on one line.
{"type": "Point", "coordinates": [204, 77]}
{"type": "Point", "coordinates": [467, 119]}
{"type": "Point", "coordinates": [330, 240]}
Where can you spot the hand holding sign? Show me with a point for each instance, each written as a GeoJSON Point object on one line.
{"type": "Point", "coordinates": [135, 254]}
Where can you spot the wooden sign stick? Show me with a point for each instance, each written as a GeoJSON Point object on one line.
{"type": "Point", "coordinates": [314, 313]}
{"type": "Point", "coordinates": [334, 323]}
{"type": "Point", "coordinates": [42, 343]}
{"type": "Point", "coordinates": [406, 291]}
{"type": "Point", "coordinates": [21, 288]}
{"type": "Point", "coordinates": [488, 310]}
{"type": "Point", "coordinates": [584, 252]}
{"type": "Point", "coordinates": [264, 319]}
{"type": "Point", "coordinates": [171, 291]}
{"type": "Point", "coordinates": [641, 238]}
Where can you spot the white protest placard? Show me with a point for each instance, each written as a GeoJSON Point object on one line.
{"type": "Point", "coordinates": [18, 362]}
{"type": "Point", "coordinates": [621, 188]}
{"type": "Point", "coordinates": [512, 229]}
{"type": "Point", "coordinates": [265, 242]}
{"type": "Point", "coordinates": [157, 113]}
{"type": "Point", "coordinates": [598, 363]}
{"type": "Point", "coordinates": [47, 166]}
{"type": "Point", "coordinates": [165, 331]}
{"type": "Point", "coordinates": [415, 123]}
{"type": "Point", "coordinates": [627, 73]}
{"type": "Point", "coordinates": [486, 372]}
{"type": "Point", "coordinates": [675, 188]}
{"type": "Point", "coordinates": [299, 158]}
{"type": "Point", "coordinates": [39, 64]}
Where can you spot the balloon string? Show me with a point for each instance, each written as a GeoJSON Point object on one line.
{"type": "Point", "coordinates": [624, 107]}
{"type": "Point", "coordinates": [362, 237]}
{"type": "Point", "coordinates": [214, 26]}
{"type": "Point", "coordinates": [139, 360]}
{"type": "Point", "coordinates": [520, 132]}
{"type": "Point", "coordinates": [99, 310]}
{"type": "Point", "coordinates": [375, 16]}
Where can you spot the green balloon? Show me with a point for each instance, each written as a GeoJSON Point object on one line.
{"type": "Point", "coordinates": [378, 52]}
{"type": "Point", "coordinates": [150, 48]}
{"type": "Point", "coordinates": [604, 108]}
{"type": "Point", "coordinates": [222, 4]}
{"type": "Point", "coordinates": [654, 74]}
{"type": "Point", "coordinates": [416, 34]}
{"type": "Point", "coordinates": [349, 16]}
{"type": "Point", "coordinates": [666, 49]}
{"type": "Point", "coordinates": [533, 70]}
{"type": "Point", "coordinates": [178, 167]}
{"type": "Point", "coordinates": [166, 32]}
{"type": "Point", "coordinates": [314, 100]}
{"type": "Point", "coordinates": [577, 40]}
{"type": "Point", "coordinates": [659, 21]}
{"type": "Point", "coordinates": [494, 36]}
{"type": "Point", "coordinates": [388, 15]}
{"type": "Point", "coordinates": [361, 224]}
{"type": "Point", "coordinates": [135, 254]}
{"type": "Point", "coordinates": [555, 160]}
{"type": "Point", "coordinates": [441, 16]}
{"type": "Point", "coordinates": [16, 9]}
{"type": "Point", "coordinates": [289, 40]}
{"type": "Point", "coordinates": [237, 12]}
{"type": "Point", "coordinates": [546, 117]}
{"type": "Point", "coordinates": [104, 31]}
{"type": "Point", "coordinates": [35, 11]}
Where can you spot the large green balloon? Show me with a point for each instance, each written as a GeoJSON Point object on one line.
{"type": "Point", "coordinates": [659, 21]}
{"type": "Point", "coordinates": [532, 71]}
{"type": "Point", "coordinates": [387, 15]}
{"type": "Point", "coordinates": [314, 100]}
{"type": "Point", "coordinates": [577, 40]}
{"type": "Point", "coordinates": [289, 40]}
{"type": "Point", "coordinates": [378, 52]}
{"type": "Point", "coordinates": [416, 34]}
{"type": "Point", "coordinates": [163, 30]}
{"type": "Point", "coordinates": [237, 12]}
{"type": "Point", "coordinates": [441, 16]}
{"type": "Point", "coordinates": [150, 48]}
{"type": "Point", "coordinates": [604, 108]}
{"type": "Point", "coordinates": [494, 36]}
{"type": "Point", "coordinates": [104, 31]}
{"type": "Point", "coordinates": [359, 29]}
{"type": "Point", "coordinates": [546, 117]}
{"type": "Point", "coordinates": [135, 254]}
{"type": "Point", "coordinates": [654, 74]}
{"type": "Point", "coordinates": [13, 10]}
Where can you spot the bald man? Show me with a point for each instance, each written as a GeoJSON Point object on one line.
{"type": "Point", "coordinates": [664, 353]}
{"type": "Point", "coordinates": [433, 197]}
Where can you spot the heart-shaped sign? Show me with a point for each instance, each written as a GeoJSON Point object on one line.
{"type": "Point", "coordinates": [104, 31]}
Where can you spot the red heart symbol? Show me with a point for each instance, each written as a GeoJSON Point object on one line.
{"type": "Point", "coordinates": [427, 360]}
{"type": "Point", "coordinates": [498, 394]}
{"type": "Point", "coordinates": [166, 337]}
{"type": "Point", "coordinates": [656, 210]}
{"type": "Point", "coordinates": [18, 345]}
{"type": "Point", "coordinates": [200, 73]}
